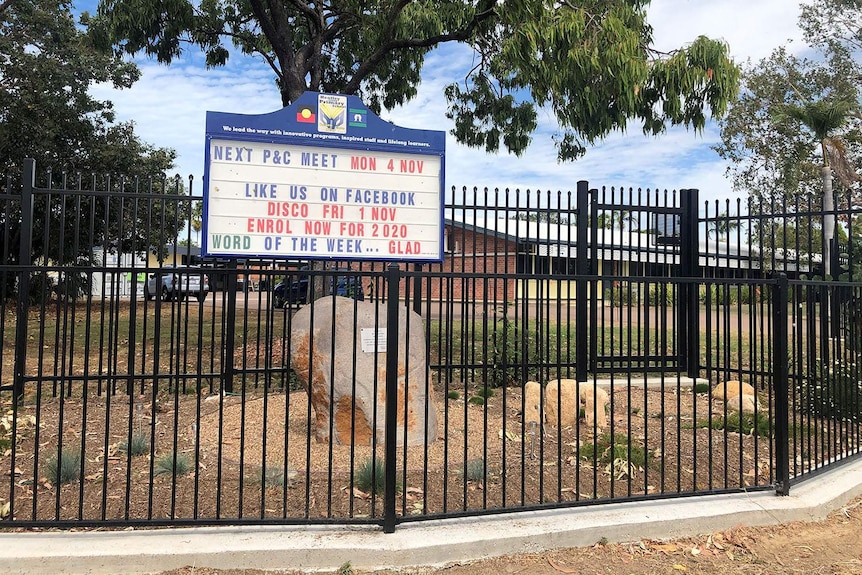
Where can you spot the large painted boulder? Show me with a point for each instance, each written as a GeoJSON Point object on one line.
{"type": "Point", "coordinates": [335, 356]}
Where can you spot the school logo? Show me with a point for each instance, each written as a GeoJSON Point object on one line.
{"type": "Point", "coordinates": [358, 118]}
{"type": "Point", "coordinates": [306, 115]}
{"type": "Point", "coordinates": [332, 116]}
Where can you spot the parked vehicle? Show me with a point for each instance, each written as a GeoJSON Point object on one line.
{"type": "Point", "coordinates": [295, 293]}
{"type": "Point", "coordinates": [168, 284]}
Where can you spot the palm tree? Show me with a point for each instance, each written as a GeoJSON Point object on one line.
{"type": "Point", "coordinates": [604, 221]}
{"type": "Point", "coordinates": [620, 218]}
{"type": "Point", "coordinates": [823, 118]}
{"type": "Point", "coordinates": [722, 225]}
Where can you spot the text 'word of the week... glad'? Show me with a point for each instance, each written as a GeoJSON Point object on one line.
{"type": "Point", "coordinates": [312, 245]}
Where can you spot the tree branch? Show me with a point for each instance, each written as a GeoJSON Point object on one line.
{"type": "Point", "coordinates": [308, 58]}
{"type": "Point", "coordinates": [457, 36]}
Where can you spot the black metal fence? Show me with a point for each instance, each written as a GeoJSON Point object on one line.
{"type": "Point", "coordinates": [120, 410]}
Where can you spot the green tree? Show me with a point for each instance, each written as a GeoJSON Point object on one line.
{"type": "Point", "coordinates": [833, 24]}
{"type": "Point", "coordinates": [767, 153]}
{"type": "Point", "coordinates": [589, 62]}
{"type": "Point", "coordinates": [46, 110]}
{"type": "Point", "coordinates": [47, 113]}
{"type": "Point", "coordinates": [822, 120]}
{"type": "Point", "coordinates": [794, 125]}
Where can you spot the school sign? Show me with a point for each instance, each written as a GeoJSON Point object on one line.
{"type": "Point", "coordinates": [323, 178]}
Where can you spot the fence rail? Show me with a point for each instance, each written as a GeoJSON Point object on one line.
{"type": "Point", "coordinates": [124, 404]}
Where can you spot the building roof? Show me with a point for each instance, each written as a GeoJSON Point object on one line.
{"type": "Point", "coordinates": [560, 240]}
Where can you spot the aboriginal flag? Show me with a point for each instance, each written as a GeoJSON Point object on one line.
{"type": "Point", "coordinates": [306, 114]}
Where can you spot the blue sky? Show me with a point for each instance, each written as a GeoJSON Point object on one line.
{"type": "Point", "coordinates": [169, 104]}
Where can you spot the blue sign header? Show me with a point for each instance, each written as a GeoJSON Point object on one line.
{"type": "Point", "coordinates": [326, 120]}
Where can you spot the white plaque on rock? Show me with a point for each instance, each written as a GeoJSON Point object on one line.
{"type": "Point", "coordinates": [373, 340]}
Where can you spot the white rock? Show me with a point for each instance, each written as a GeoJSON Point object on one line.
{"type": "Point", "coordinates": [350, 382]}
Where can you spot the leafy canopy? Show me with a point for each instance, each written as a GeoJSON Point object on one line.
{"type": "Point", "coordinates": [835, 25]}
{"type": "Point", "coordinates": [47, 113]}
{"type": "Point", "coordinates": [796, 114]}
{"type": "Point", "coordinates": [773, 136]}
{"type": "Point", "coordinates": [590, 62]}
{"type": "Point", "coordinates": [46, 109]}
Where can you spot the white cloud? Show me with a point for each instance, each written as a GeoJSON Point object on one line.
{"type": "Point", "coordinates": [169, 104]}
{"type": "Point", "coordinates": [752, 28]}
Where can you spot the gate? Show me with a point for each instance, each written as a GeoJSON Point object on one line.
{"type": "Point", "coordinates": [617, 250]}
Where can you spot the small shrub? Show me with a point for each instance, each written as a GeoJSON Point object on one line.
{"type": "Point", "coordinates": [286, 379]}
{"type": "Point", "coordinates": [173, 463]}
{"type": "Point", "coordinates": [719, 295]}
{"type": "Point", "coordinates": [345, 569]}
{"type": "Point", "coordinates": [622, 293]}
{"type": "Point", "coordinates": [485, 392]}
{"type": "Point", "coordinates": [475, 470]}
{"type": "Point", "coordinates": [293, 382]}
{"type": "Point", "coordinates": [504, 354]}
{"type": "Point", "coordinates": [608, 452]}
{"type": "Point", "coordinates": [749, 294]}
{"type": "Point", "coordinates": [139, 445]}
{"type": "Point", "coordinates": [701, 388]}
{"type": "Point", "coordinates": [476, 400]}
{"type": "Point", "coordinates": [745, 423]}
{"type": "Point", "coordinates": [660, 294]}
{"type": "Point", "coordinates": [369, 477]}
{"type": "Point", "coordinates": [273, 476]}
{"type": "Point", "coordinates": [453, 394]}
{"type": "Point", "coordinates": [835, 391]}
{"type": "Point", "coordinates": [41, 288]}
{"type": "Point", "coordinates": [65, 470]}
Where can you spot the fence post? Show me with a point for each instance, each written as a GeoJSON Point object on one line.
{"type": "Point", "coordinates": [417, 289]}
{"type": "Point", "coordinates": [689, 316]}
{"type": "Point", "coordinates": [25, 260]}
{"type": "Point", "coordinates": [780, 370]}
{"type": "Point", "coordinates": [229, 298]}
{"type": "Point", "coordinates": [835, 300]}
{"type": "Point", "coordinates": [393, 278]}
{"type": "Point", "coordinates": [581, 283]}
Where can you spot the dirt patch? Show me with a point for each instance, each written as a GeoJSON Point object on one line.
{"type": "Point", "coordinates": [255, 457]}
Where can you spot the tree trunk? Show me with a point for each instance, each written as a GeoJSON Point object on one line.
{"type": "Point", "coordinates": [828, 220]}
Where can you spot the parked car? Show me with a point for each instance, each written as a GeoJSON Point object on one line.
{"type": "Point", "coordinates": [295, 293]}
{"type": "Point", "coordinates": [168, 284]}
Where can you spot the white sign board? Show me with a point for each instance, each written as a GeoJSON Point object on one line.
{"type": "Point", "coordinates": [326, 180]}
{"type": "Point", "coordinates": [322, 202]}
